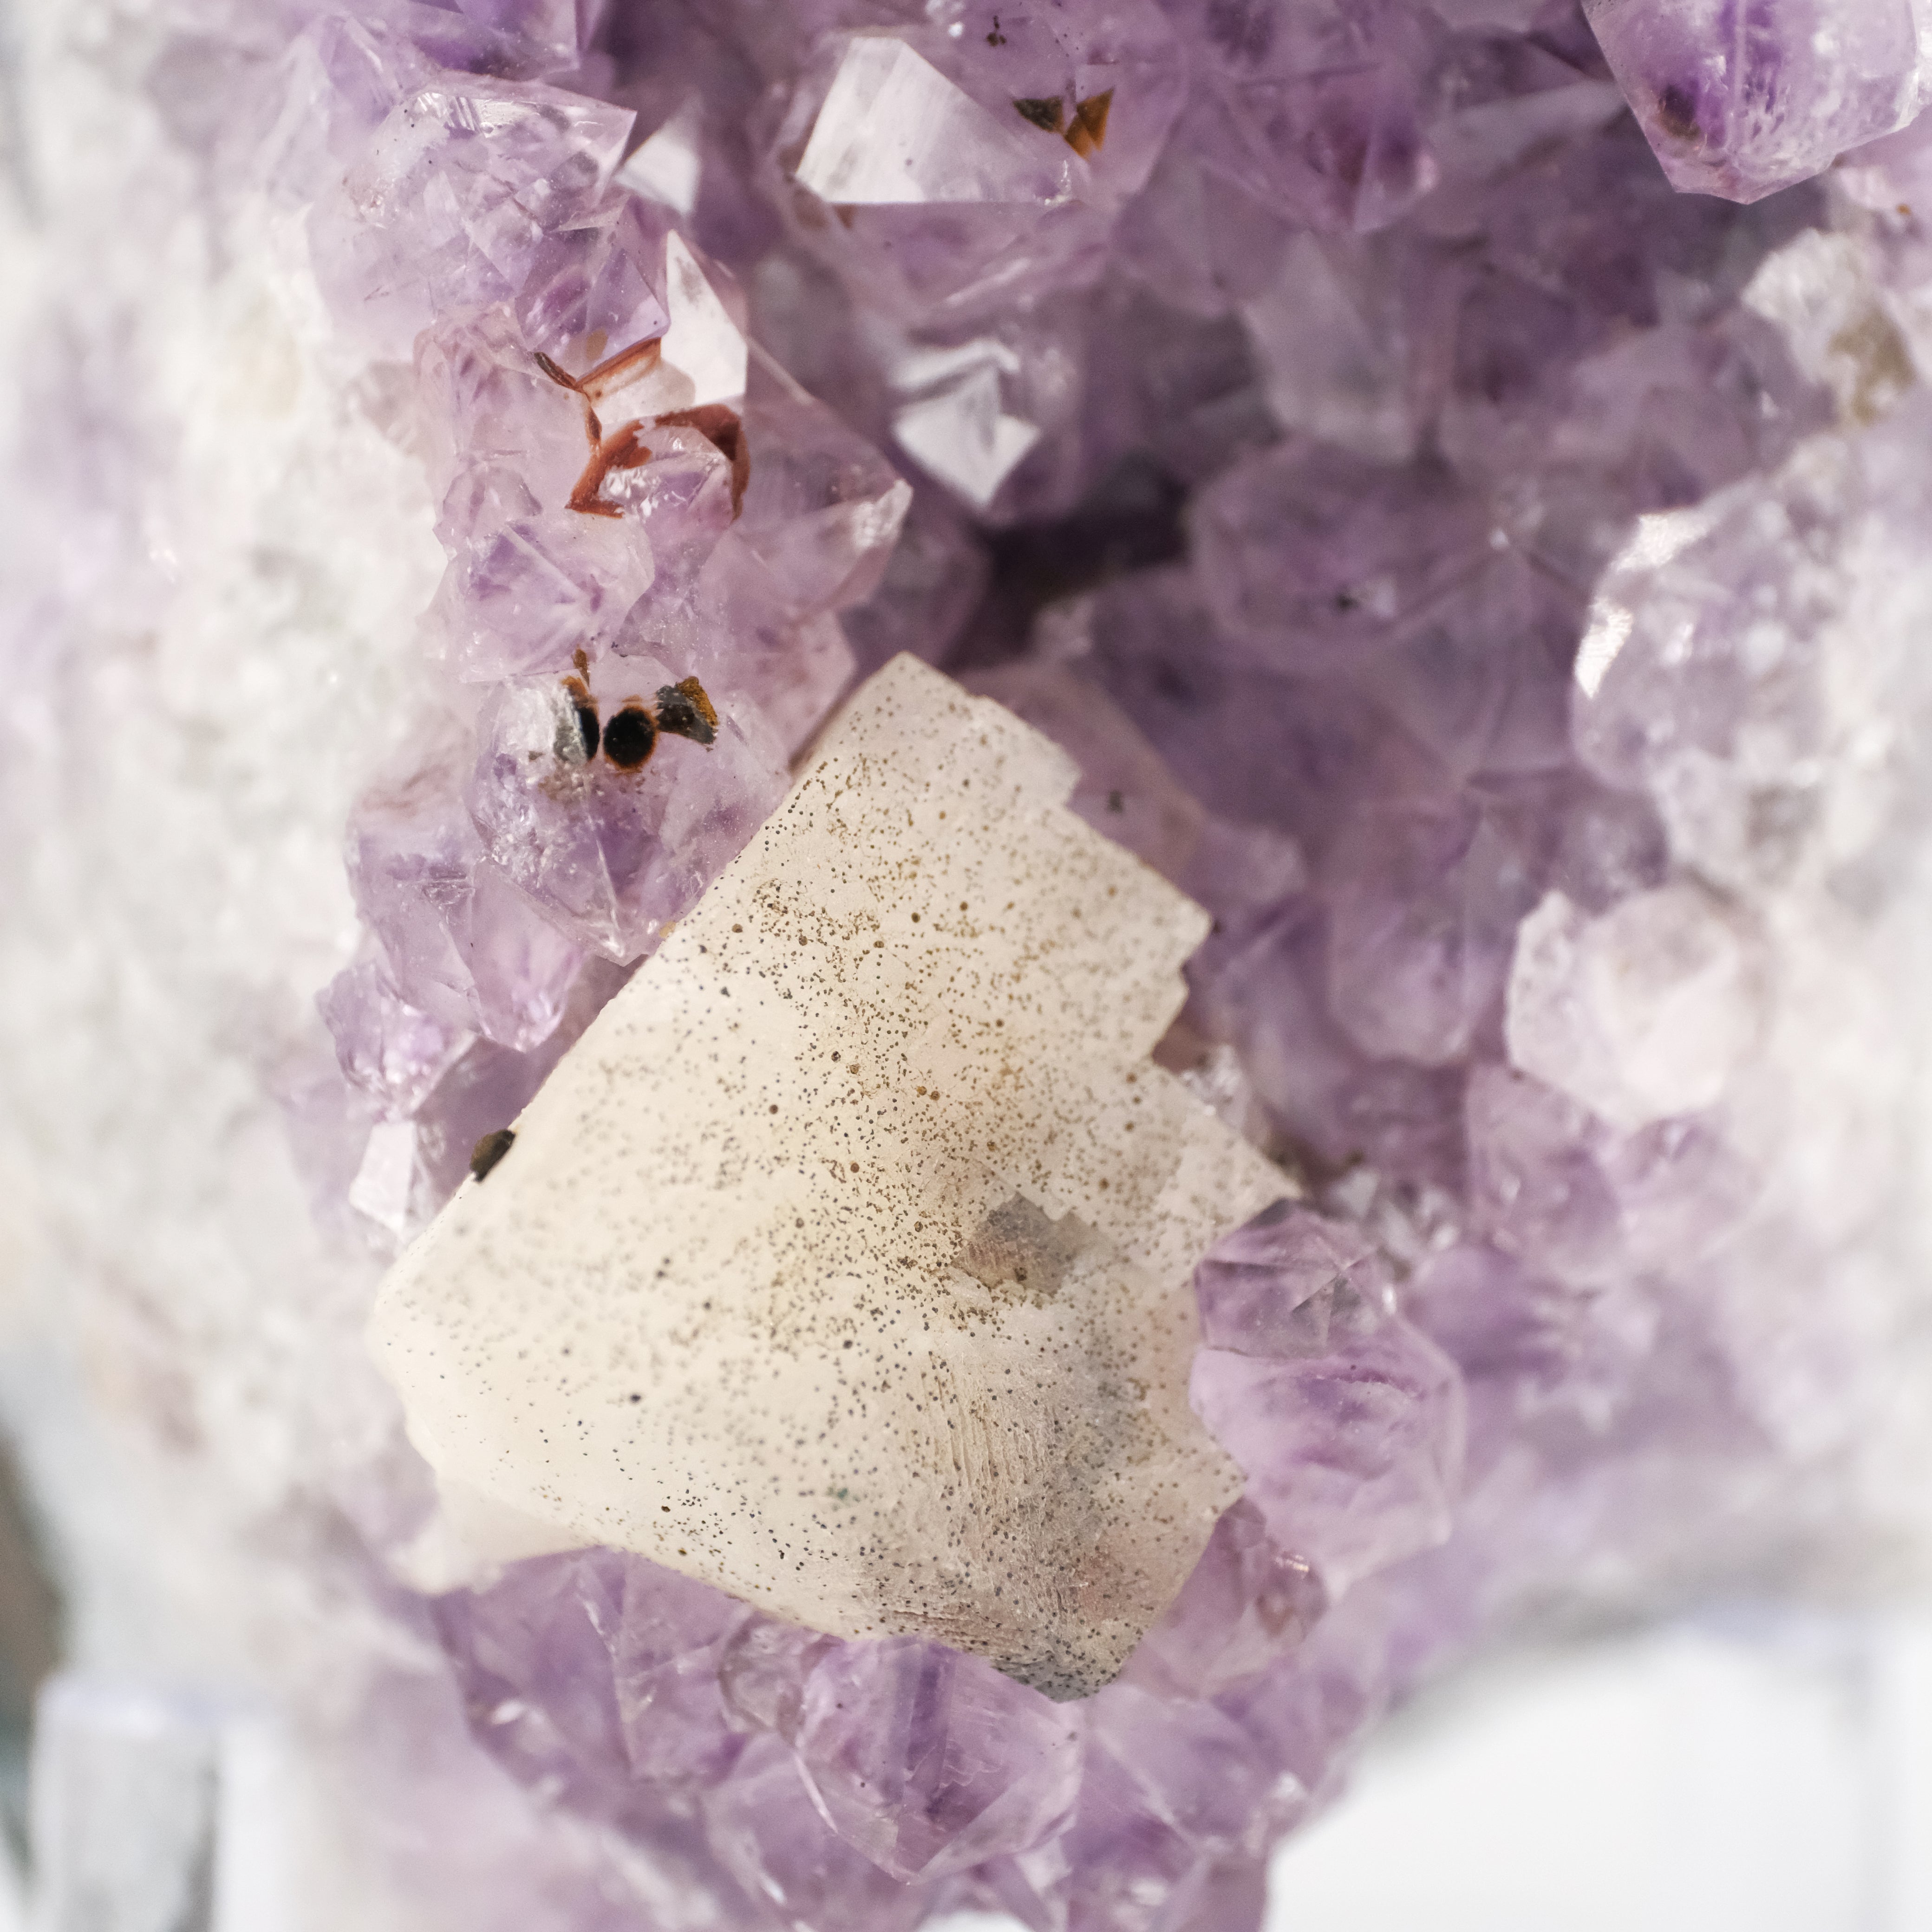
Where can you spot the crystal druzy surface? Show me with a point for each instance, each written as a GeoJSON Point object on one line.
{"type": "Point", "coordinates": [844, 1264]}
{"type": "Point", "coordinates": [1450, 476]}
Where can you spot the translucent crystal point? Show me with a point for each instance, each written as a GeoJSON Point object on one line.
{"type": "Point", "coordinates": [1741, 98]}
{"type": "Point", "coordinates": [894, 129]}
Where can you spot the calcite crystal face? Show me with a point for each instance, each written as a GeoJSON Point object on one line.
{"type": "Point", "coordinates": [844, 1264]}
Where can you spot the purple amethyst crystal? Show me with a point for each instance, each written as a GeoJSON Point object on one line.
{"type": "Point", "coordinates": [1741, 98]}
{"type": "Point", "coordinates": [1248, 1600]}
{"type": "Point", "coordinates": [461, 943]}
{"type": "Point", "coordinates": [1316, 113]}
{"type": "Point", "coordinates": [1347, 1422]}
{"type": "Point", "coordinates": [1318, 559]}
{"type": "Point", "coordinates": [613, 856]}
{"type": "Point", "coordinates": [394, 1052]}
{"type": "Point", "coordinates": [706, 534]}
{"type": "Point", "coordinates": [1282, 1284]}
{"type": "Point", "coordinates": [930, 1761]}
{"type": "Point", "coordinates": [949, 169]}
{"type": "Point", "coordinates": [453, 199]}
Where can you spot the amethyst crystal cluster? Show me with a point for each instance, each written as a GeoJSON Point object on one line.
{"type": "Point", "coordinates": [1434, 534]}
{"type": "Point", "coordinates": [540, 821]}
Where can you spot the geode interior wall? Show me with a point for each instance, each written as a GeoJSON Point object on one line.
{"type": "Point", "coordinates": [1451, 478]}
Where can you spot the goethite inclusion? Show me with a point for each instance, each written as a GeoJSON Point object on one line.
{"type": "Point", "coordinates": [1485, 580]}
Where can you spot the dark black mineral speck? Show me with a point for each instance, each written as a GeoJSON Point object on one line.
{"type": "Point", "coordinates": [630, 738]}
{"type": "Point", "coordinates": [1677, 111]}
{"type": "Point", "coordinates": [685, 711]}
{"type": "Point", "coordinates": [489, 1151]}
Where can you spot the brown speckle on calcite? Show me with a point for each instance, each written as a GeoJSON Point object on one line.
{"type": "Point", "coordinates": [848, 1195]}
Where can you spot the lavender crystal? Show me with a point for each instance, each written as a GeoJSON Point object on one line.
{"type": "Point", "coordinates": [1742, 97]}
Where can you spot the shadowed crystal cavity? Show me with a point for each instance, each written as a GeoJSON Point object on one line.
{"type": "Point", "coordinates": [844, 1263]}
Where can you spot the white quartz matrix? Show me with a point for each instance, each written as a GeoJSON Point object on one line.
{"type": "Point", "coordinates": [845, 1262]}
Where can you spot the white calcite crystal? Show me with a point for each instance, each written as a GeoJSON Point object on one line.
{"type": "Point", "coordinates": [845, 1263]}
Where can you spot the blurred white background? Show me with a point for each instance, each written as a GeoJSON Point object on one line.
{"type": "Point", "coordinates": [1739, 1773]}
